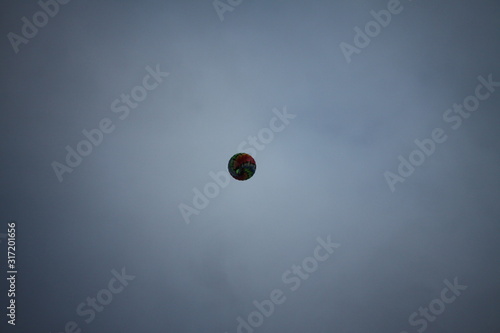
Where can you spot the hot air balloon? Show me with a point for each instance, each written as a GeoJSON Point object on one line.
{"type": "Point", "coordinates": [241, 166]}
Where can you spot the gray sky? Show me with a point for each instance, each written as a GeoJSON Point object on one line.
{"type": "Point", "coordinates": [113, 228]}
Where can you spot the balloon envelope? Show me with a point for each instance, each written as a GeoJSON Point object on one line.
{"type": "Point", "coordinates": [241, 166]}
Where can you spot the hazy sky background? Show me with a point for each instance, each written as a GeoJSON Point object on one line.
{"type": "Point", "coordinates": [323, 175]}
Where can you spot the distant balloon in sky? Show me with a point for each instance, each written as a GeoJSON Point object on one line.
{"type": "Point", "coordinates": [241, 166]}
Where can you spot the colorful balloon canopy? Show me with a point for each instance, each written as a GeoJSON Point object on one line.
{"type": "Point", "coordinates": [241, 166]}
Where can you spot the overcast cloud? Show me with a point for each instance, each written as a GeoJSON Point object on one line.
{"type": "Point", "coordinates": [374, 207]}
